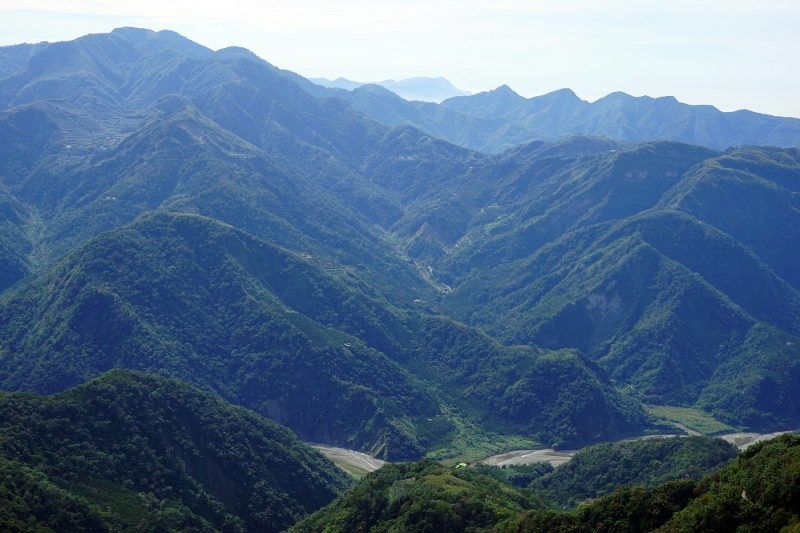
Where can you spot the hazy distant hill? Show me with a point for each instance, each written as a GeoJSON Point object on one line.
{"type": "Point", "coordinates": [497, 120]}
{"type": "Point", "coordinates": [419, 88]}
{"type": "Point", "coordinates": [627, 118]}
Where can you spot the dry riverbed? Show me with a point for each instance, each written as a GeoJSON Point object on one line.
{"type": "Point", "coordinates": [745, 440]}
{"type": "Point", "coordinates": [526, 457]}
{"type": "Point", "coordinates": [359, 464]}
{"type": "Point", "coordinates": [355, 463]}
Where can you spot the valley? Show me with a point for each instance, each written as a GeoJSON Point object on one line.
{"type": "Point", "coordinates": [359, 464]}
{"type": "Point", "coordinates": [190, 236]}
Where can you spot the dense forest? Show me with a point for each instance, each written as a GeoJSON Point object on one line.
{"type": "Point", "coordinates": [757, 491]}
{"type": "Point", "coordinates": [132, 451]}
{"type": "Point", "coordinates": [435, 283]}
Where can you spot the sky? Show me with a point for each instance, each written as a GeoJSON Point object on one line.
{"type": "Point", "coordinates": [731, 54]}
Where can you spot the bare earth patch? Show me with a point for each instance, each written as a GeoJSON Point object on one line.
{"type": "Point", "coordinates": [360, 464]}
{"type": "Point", "coordinates": [355, 463]}
{"type": "Point", "coordinates": [526, 457]}
{"type": "Point", "coordinates": [745, 440]}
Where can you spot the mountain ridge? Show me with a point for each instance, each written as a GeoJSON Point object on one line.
{"type": "Point", "coordinates": [418, 88]}
{"type": "Point", "coordinates": [538, 296]}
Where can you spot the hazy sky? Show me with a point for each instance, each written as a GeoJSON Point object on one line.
{"type": "Point", "coordinates": [732, 54]}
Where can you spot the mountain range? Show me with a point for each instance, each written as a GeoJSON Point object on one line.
{"type": "Point", "coordinates": [497, 120]}
{"type": "Point", "coordinates": [205, 216]}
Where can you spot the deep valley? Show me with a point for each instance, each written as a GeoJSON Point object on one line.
{"type": "Point", "coordinates": [206, 261]}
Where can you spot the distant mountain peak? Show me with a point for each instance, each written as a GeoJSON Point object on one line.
{"type": "Point", "coordinates": [376, 89]}
{"type": "Point", "coordinates": [566, 92]}
{"type": "Point", "coordinates": [503, 89]}
{"type": "Point", "coordinates": [144, 39]}
{"type": "Point", "coordinates": [418, 88]}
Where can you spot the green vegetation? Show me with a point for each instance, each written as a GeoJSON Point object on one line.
{"type": "Point", "coordinates": [513, 119]}
{"type": "Point", "coordinates": [419, 497]}
{"type": "Point", "coordinates": [522, 476]}
{"type": "Point", "coordinates": [200, 215]}
{"type": "Point", "coordinates": [187, 297]}
{"type": "Point", "coordinates": [129, 451]}
{"type": "Point", "coordinates": [498, 120]}
{"type": "Point", "coordinates": [468, 441]}
{"type": "Point", "coordinates": [757, 491]}
{"type": "Point", "coordinates": [191, 298]}
{"type": "Point", "coordinates": [622, 262]}
{"type": "Point", "coordinates": [692, 419]}
{"type": "Point", "coordinates": [761, 489]}
{"type": "Point", "coordinates": [598, 470]}
{"type": "Point", "coordinates": [663, 299]}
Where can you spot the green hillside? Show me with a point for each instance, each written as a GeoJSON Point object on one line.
{"type": "Point", "coordinates": [599, 470]}
{"type": "Point", "coordinates": [679, 307]}
{"type": "Point", "coordinates": [420, 497]}
{"type": "Point", "coordinates": [203, 215]}
{"type": "Point", "coordinates": [134, 452]}
{"type": "Point", "coordinates": [756, 491]}
{"type": "Point", "coordinates": [189, 297]}
{"type": "Point", "coordinates": [618, 115]}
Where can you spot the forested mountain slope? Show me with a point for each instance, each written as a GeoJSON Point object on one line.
{"type": "Point", "coordinates": [135, 452]}
{"type": "Point", "coordinates": [205, 215]}
{"type": "Point", "coordinates": [755, 492]}
{"type": "Point", "coordinates": [667, 264]}
{"type": "Point", "coordinates": [189, 297]}
{"type": "Point", "coordinates": [180, 160]}
{"type": "Point", "coordinates": [599, 470]}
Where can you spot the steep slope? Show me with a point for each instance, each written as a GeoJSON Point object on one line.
{"type": "Point", "coordinates": [660, 269]}
{"type": "Point", "coordinates": [677, 309]}
{"type": "Point", "coordinates": [497, 120]}
{"type": "Point", "coordinates": [106, 71]}
{"type": "Point", "coordinates": [15, 246]}
{"type": "Point", "coordinates": [181, 161]}
{"type": "Point", "coordinates": [756, 492]}
{"type": "Point", "coordinates": [27, 135]}
{"type": "Point", "coordinates": [130, 69]}
{"type": "Point", "coordinates": [761, 187]}
{"type": "Point", "coordinates": [487, 134]}
{"type": "Point", "coordinates": [129, 450]}
{"type": "Point", "coordinates": [189, 297]}
{"type": "Point", "coordinates": [550, 194]}
{"type": "Point", "coordinates": [13, 58]}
